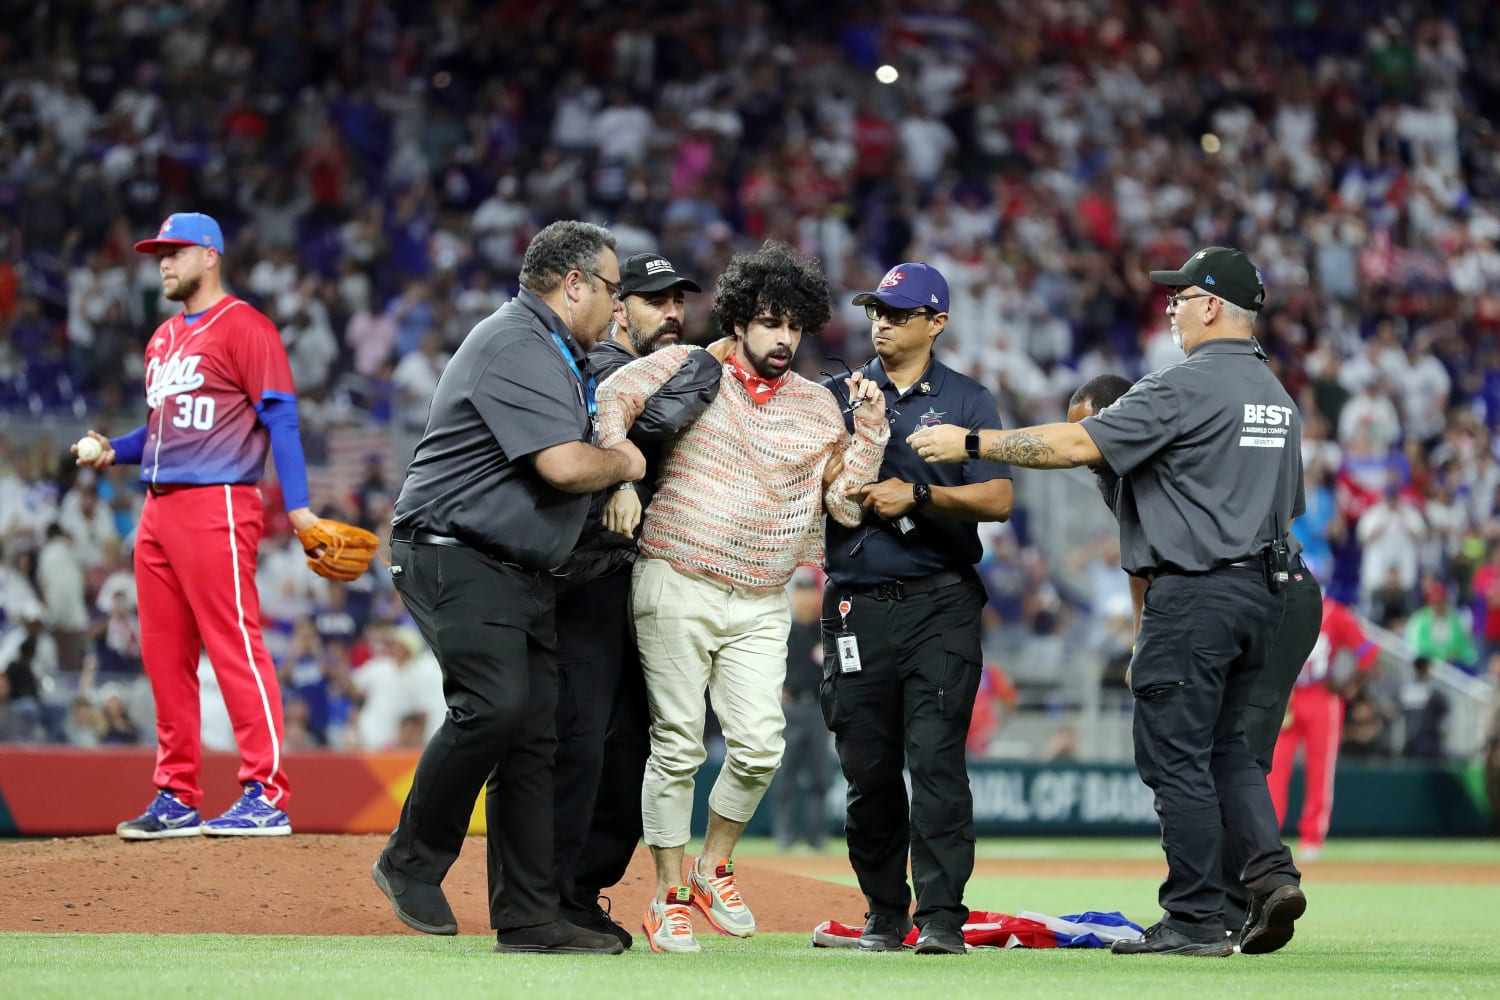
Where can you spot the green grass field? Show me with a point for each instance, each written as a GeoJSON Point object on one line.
{"type": "Point", "coordinates": [1357, 940]}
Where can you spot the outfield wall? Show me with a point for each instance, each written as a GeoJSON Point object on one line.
{"type": "Point", "coordinates": [48, 791]}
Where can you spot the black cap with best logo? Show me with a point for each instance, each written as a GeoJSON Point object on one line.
{"type": "Point", "coordinates": [1222, 271]}
{"type": "Point", "coordinates": [651, 272]}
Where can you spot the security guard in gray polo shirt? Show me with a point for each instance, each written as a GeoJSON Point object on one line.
{"type": "Point", "coordinates": [1209, 453]}
{"type": "Point", "coordinates": [1301, 619]}
{"type": "Point", "coordinates": [496, 497]}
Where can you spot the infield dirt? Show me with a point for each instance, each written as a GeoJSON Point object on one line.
{"type": "Point", "coordinates": [321, 885]}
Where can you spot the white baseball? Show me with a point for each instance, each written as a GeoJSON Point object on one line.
{"type": "Point", "coordinates": [89, 449]}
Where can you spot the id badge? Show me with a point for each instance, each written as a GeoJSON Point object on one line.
{"type": "Point", "coordinates": [848, 647]}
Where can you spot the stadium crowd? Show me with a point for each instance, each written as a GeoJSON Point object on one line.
{"type": "Point", "coordinates": [379, 166]}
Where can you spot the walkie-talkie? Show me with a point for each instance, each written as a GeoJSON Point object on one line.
{"type": "Point", "coordinates": [1278, 560]}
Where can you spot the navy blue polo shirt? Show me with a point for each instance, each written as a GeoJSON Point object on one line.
{"type": "Point", "coordinates": [937, 543]}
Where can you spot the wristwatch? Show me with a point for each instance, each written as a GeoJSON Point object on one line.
{"type": "Point", "coordinates": [971, 444]}
{"type": "Point", "coordinates": [921, 494]}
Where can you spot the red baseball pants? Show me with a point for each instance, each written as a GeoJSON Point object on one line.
{"type": "Point", "coordinates": [1318, 726]}
{"type": "Point", "coordinates": [195, 580]}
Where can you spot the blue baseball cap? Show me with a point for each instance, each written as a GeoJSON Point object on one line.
{"type": "Point", "coordinates": [185, 229]}
{"type": "Point", "coordinates": [909, 286]}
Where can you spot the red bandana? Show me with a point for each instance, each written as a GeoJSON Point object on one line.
{"type": "Point", "coordinates": [760, 389]}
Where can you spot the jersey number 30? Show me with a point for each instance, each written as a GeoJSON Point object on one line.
{"type": "Point", "coordinates": [196, 412]}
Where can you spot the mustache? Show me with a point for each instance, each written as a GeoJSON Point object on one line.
{"type": "Point", "coordinates": [671, 326]}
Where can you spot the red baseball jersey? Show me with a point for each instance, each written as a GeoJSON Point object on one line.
{"type": "Point", "coordinates": [204, 380]}
{"type": "Point", "coordinates": [1341, 631]}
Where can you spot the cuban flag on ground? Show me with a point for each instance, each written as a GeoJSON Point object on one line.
{"type": "Point", "coordinates": [1091, 929]}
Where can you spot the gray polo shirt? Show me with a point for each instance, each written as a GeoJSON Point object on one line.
{"type": "Point", "coordinates": [1209, 455]}
{"type": "Point", "coordinates": [508, 393]}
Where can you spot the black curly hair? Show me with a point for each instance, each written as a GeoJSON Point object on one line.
{"type": "Point", "coordinates": [776, 281]}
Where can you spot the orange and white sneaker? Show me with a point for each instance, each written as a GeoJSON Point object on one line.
{"type": "Point", "coordinates": [718, 897]}
{"type": "Point", "coordinates": [669, 925]}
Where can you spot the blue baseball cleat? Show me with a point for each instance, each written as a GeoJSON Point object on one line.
{"type": "Point", "coordinates": [165, 817]}
{"type": "Point", "coordinates": [252, 815]}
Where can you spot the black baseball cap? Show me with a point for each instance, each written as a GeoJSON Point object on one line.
{"type": "Point", "coordinates": [651, 272]}
{"type": "Point", "coordinates": [1224, 271]}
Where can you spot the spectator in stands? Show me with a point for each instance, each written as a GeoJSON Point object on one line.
{"type": "Point", "coordinates": [18, 598]}
{"type": "Point", "coordinates": [87, 521]}
{"type": "Point", "coordinates": [23, 689]}
{"type": "Point", "coordinates": [1425, 710]}
{"type": "Point", "coordinates": [310, 677]}
{"type": "Point", "coordinates": [1437, 631]}
{"type": "Point", "coordinates": [59, 570]}
{"type": "Point", "coordinates": [1390, 533]}
{"type": "Point", "coordinates": [1367, 720]}
{"type": "Point", "coordinates": [402, 678]}
{"type": "Point", "coordinates": [1390, 605]}
{"type": "Point", "coordinates": [15, 727]}
{"type": "Point", "coordinates": [117, 726]}
{"type": "Point", "coordinates": [415, 380]}
{"type": "Point", "coordinates": [84, 726]}
{"type": "Point", "coordinates": [1486, 587]}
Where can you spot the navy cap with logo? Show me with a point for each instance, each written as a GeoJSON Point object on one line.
{"type": "Point", "coordinates": [909, 286]}
{"type": "Point", "coordinates": [651, 272]}
{"type": "Point", "coordinates": [1222, 271]}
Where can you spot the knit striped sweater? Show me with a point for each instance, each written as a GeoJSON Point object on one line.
{"type": "Point", "coordinates": [740, 495]}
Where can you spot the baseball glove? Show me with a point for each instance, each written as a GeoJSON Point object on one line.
{"type": "Point", "coordinates": [346, 550]}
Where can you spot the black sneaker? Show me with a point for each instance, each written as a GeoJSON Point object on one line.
{"type": "Point", "coordinates": [421, 906]}
{"type": "Point", "coordinates": [597, 917]}
{"type": "Point", "coordinates": [941, 939]}
{"type": "Point", "coordinates": [1160, 939]}
{"type": "Point", "coordinates": [1270, 923]}
{"type": "Point", "coordinates": [884, 931]}
{"type": "Point", "coordinates": [557, 938]}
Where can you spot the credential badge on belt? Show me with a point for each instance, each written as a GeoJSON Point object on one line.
{"type": "Point", "coordinates": [846, 642]}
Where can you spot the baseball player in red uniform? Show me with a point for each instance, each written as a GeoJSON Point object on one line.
{"type": "Point", "coordinates": [219, 395]}
{"type": "Point", "coordinates": [1316, 722]}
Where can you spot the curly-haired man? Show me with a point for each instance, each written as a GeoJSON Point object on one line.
{"type": "Point", "coordinates": [738, 508]}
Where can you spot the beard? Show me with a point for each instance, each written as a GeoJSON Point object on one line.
{"type": "Point", "coordinates": [1176, 334]}
{"type": "Point", "coordinates": [186, 289]}
{"type": "Point", "coordinates": [647, 343]}
{"type": "Point", "coordinates": [764, 363]}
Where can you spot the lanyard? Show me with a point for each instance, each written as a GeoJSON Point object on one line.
{"type": "Point", "coordinates": [585, 385]}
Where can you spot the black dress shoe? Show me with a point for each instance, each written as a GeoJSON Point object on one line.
{"type": "Point", "coordinates": [940, 939]}
{"type": "Point", "coordinates": [557, 938]}
{"type": "Point", "coordinates": [596, 917]}
{"type": "Point", "coordinates": [884, 932]}
{"type": "Point", "coordinates": [1269, 925]}
{"type": "Point", "coordinates": [420, 905]}
{"type": "Point", "coordinates": [1160, 939]}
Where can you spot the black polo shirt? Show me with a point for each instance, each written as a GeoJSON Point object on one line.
{"type": "Point", "coordinates": [509, 392]}
{"type": "Point", "coordinates": [937, 542]}
{"type": "Point", "coordinates": [1209, 455]}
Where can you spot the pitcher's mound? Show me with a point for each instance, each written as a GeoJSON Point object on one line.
{"type": "Point", "coordinates": [313, 885]}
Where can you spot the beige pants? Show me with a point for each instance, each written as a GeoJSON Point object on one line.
{"type": "Point", "coordinates": [696, 633]}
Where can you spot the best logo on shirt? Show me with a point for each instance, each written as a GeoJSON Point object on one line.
{"type": "Point", "coordinates": [1266, 425]}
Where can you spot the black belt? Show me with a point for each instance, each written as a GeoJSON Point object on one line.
{"type": "Point", "coordinates": [1250, 562]}
{"type": "Point", "coordinates": [898, 590]}
{"type": "Point", "coordinates": [162, 489]}
{"type": "Point", "coordinates": [413, 537]}
{"type": "Point", "coordinates": [428, 538]}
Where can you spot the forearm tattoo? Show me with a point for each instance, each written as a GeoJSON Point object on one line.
{"type": "Point", "coordinates": [1021, 448]}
